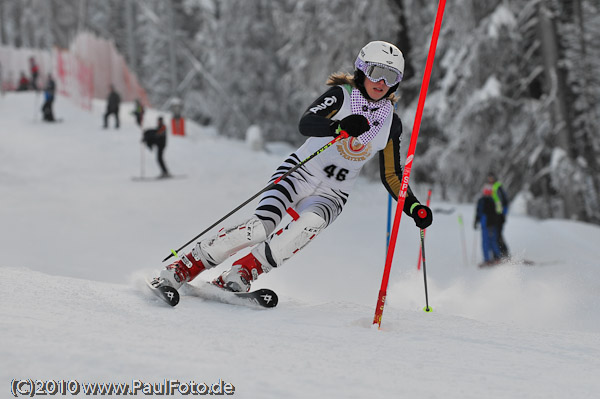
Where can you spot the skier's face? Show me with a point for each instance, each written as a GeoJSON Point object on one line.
{"type": "Point", "coordinates": [376, 90]}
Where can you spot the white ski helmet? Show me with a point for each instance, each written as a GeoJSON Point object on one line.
{"type": "Point", "coordinates": [381, 60]}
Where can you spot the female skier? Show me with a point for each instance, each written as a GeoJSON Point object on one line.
{"type": "Point", "coordinates": [315, 194]}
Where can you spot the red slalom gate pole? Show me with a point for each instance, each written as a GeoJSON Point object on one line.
{"type": "Point", "coordinates": [424, 231]}
{"type": "Point", "coordinates": [408, 165]}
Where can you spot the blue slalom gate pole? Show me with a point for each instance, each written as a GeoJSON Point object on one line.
{"type": "Point", "coordinates": [389, 223]}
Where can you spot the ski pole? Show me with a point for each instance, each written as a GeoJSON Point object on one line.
{"type": "Point", "coordinates": [475, 242]}
{"type": "Point", "coordinates": [142, 160]}
{"type": "Point", "coordinates": [426, 308]}
{"type": "Point", "coordinates": [420, 249]}
{"type": "Point", "coordinates": [343, 134]}
{"type": "Point", "coordinates": [463, 239]}
{"type": "Point", "coordinates": [408, 164]}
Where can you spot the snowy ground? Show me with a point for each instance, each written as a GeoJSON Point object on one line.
{"type": "Point", "coordinates": [78, 236]}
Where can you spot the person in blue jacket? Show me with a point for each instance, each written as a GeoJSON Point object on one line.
{"type": "Point", "coordinates": [490, 221]}
{"type": "Point", "coordinates": [49, 93]}
{"type": "Point", "coordinates": [501, 206]}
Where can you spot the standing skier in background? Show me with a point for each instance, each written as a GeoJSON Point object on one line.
{"type": "Point", "coordinates": [49, 93]}
{"type": "Point", "coordinates": [112, 107]}
{"type": "Point", "coordinates": [161, 143]}
{"type": "Point", "coordinates": [315, 194]}
{"type": "Point", "coordinates": [501, 206]}
{"type": "Point", "coordinates": [489, 219]}
{"type": "Point", "coordinates": [158, 137]}
{"type": "Point", "coordinates": [138, 112]}
{"type": "Point", "coordinates": [35, 72]}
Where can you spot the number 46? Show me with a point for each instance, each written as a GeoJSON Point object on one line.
{"type": "Point", "coordinates": [331, 172]}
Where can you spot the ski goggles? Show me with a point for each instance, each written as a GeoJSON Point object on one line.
{"type": "Point", "coordinates": [376, 72]}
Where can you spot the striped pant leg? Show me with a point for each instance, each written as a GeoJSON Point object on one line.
{"type": "Point", "coordinates": [317, 211]}
{"type": "Point", "coordinates": [327, 202]}
{"type": "Point", "coordinates": [273, 203]}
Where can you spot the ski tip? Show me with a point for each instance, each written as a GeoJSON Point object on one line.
{"type": "Point", "coordinates": [168, 294]}
{"type": "Point", "coordinates": [263, 297]}
{"type": "Point", "coordinates": [427, 309]}
{"type": "Point", "coordinates": [269, 298]}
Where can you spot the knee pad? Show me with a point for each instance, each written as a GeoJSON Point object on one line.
{"type": "Point", "coordinates": [283, 244]}
{"type": "Point", "coordinates": [230, 240]}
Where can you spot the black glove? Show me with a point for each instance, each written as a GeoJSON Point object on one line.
{"type": "Point", "coordinates": [422, 215]}
{"type": "Point", "coordinates": [354, 125]}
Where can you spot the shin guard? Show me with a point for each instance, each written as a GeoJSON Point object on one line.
{"type": "Point", "coordinates": [228, 241]}
{"type": "Point", "coordinates": [283, 244]}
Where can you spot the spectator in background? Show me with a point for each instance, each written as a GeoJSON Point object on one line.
{"type": "Point", "coordinates": [158, 137]}
{"type": "Point", "coordinates": [161, 143]}
{"type": "Point", "coordinates": [112, 107]}
{"type": "Point", "coordinates": [501, 206]}
{"type": "Point", "coordinates": [138, 112]}
{"type": "Point", "coordinates": [35, 71]}
{"type": "Point", "coordinates": [49, 92]}
{"type": "Point", "coordinates": [486, 216]}
{"type": "Point", "coordinates": [23, 84]}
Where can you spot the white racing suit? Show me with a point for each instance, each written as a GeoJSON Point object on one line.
{"type": "Point", "coordinates": [315, 194]}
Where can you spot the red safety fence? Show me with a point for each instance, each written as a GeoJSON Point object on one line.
{"type": "Point", "coordinates": [83, 72]}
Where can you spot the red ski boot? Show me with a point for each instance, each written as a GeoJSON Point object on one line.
{"type": "Point", "coordinates": [241, 274]}
{"type": "Point", "coordinates": [182, 271]}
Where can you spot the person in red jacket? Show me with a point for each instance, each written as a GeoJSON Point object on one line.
{"type": "Point", "coordinates": [23, 83]}
{"type": "Point", "coordinates": [35, 73]}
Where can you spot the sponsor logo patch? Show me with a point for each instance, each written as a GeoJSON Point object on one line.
{"type": "Point", "coordinates": [327, 102]}
{"type": "Point", "coordinates": [354, 150]}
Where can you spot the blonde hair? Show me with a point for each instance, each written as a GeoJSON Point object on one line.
{"type": "Point", "coordinates": [340, 78]}
{"type": "Point", "coordinates": [343, 78]}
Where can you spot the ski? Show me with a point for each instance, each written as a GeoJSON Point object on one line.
{"type": "Point", "coordinates": [515, 262]}
{"type": "Point", "coordinates": [157, 178]}
{"type": "Point", "coordinates": [167, 293]}
{"type": "Point", "coordinates": [263, 297]}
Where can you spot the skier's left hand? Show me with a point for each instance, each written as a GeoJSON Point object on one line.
{"type": "Point", "coordinates": [422, 215]}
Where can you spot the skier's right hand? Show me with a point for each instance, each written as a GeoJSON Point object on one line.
{"type": "Point", "coordinates": [354, 125]}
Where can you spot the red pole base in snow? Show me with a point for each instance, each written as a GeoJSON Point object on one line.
{"type": "Point", "coordinates": [379, 308]}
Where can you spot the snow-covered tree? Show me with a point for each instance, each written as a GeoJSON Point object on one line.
{"type": "Point", "coordinates": [515, 87]}
{"type": "Point", "coordinates": [513, 92]}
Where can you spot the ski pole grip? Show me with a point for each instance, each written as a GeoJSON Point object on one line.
{"type": "Point", "coordinates": [344, 134]}
{"type": "Point", "coordinates": [422, 213]}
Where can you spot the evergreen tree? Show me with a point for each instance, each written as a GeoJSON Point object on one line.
{"type": "Point", "coordinates": [515, 88]}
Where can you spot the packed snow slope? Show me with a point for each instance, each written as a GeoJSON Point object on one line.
{"type": "Point", "coordinates": [79, 236]}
